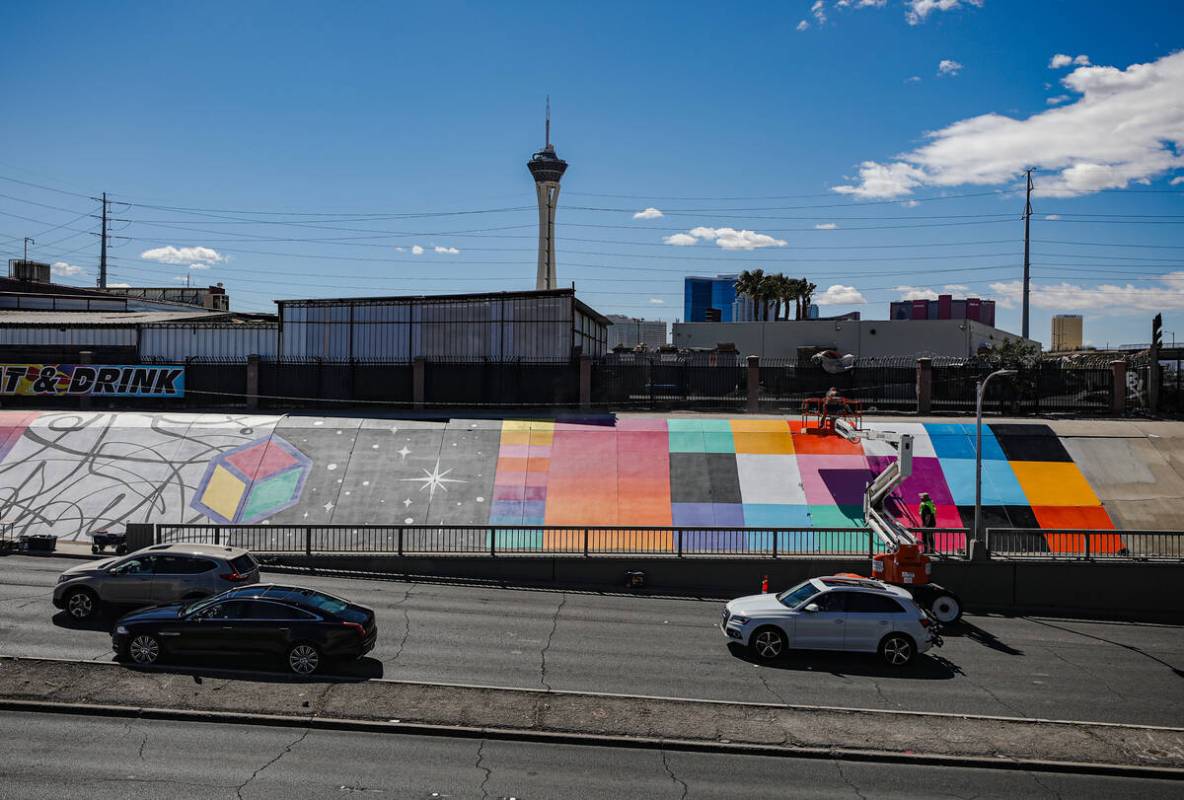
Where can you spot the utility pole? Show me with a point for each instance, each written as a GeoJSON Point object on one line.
{"type": "Point", "coordinates": [1027, 244]}
{"type": "Point", "coordinates": [28, 242]}
{"type": "Point", "coordinates": [102, 264]}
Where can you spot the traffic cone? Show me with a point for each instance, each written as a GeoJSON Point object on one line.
{"type": "Point", "coordinates": [764, 584]}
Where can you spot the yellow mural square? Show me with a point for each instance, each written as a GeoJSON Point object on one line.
{"type": "Point", "coordinates": [759, 426]}
{"type": "Point", "coordinates": [223, 492]}
{"type": "Point", "coordinates": [515, 425]}
{"type": "Point", "coordinates": [764, 443]}
{"type": "Point", "coordinates": [1054, 483]}
{"type": "Point", "coordinates": [542, 425]}
{"type": "Point", "coordinates": [541, 436]}
{"type": "Point", "coordinates": [511, 436]}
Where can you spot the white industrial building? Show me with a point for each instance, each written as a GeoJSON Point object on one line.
{"type": "Point", "coordinates": [861, 338]}
{"type": "Point", "coordinates": [631, 331]}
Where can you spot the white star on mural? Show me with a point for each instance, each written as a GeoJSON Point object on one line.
{"type": "Point", "coordinates": [434, 480]}
{"type": "Point", "coordinates": [406, 503]}
{"type": "Point", "coordinates": [404, 452]}
{"type": "Point", "coordinates": [328, 507]}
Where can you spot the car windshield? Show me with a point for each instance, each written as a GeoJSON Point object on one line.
{"type": "Point", "coordinates": [323, 602]}
{"type": "Point", "coordinates": [193, 608]}
{"type": "Point", "coordinates": [797, 595]}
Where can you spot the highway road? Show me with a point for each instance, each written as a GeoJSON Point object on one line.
{"type": "Point", "coordinates": [125, 759]}
{"type": "Point", "coordinates": [1028, 667]}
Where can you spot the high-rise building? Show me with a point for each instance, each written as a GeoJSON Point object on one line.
{"type": "Point", "coordinates": [630, 332]}
{"type": "Point", "coordinates": [1066, 332]}
{"type": "Point", "coordinates": [547, 169]}
{"type": "Point", "coordinates": [708, 299]}
{"type": "Point", "coordinates": [945, 307]}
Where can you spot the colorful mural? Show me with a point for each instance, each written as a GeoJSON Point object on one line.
{"type": "Point", "coordinates": [72, 473]}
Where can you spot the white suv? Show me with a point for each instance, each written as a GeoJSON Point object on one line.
{"type": "Point", "coordinates": [832, 613]}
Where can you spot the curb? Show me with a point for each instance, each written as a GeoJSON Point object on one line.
{"type": "Point", "coordinates": [591, 740]}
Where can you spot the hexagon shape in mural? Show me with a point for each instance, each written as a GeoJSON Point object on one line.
{"type": "Point", "coordinates": [252, 482]}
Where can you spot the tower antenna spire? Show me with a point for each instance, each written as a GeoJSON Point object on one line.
{"type": "Point", "coordinates": [547, 141]}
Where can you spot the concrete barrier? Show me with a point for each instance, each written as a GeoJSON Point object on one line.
{"type": "Point", "coordinates": [1136, 592]}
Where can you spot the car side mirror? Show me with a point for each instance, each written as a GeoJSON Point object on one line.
{"type": "Point", "coordinates": [812, 608]}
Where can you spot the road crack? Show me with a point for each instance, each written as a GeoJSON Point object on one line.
{"type": "Point", "coordinates": [670, 774]}
{"type": "Point", "coordinates": [401, 603]}
{"type": "Point", "coordinates": [239, 789]}
{"type": "Point", "coordinates": [848, 781]}
{"type": "Point", "coordinates": [547, 644]}
{"type": "Point", "coordinates": [1042, 785]}
{"type": "Point", "coordinates": [488, 772]}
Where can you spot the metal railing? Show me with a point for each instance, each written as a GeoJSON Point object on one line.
{"type": "Point", "coordinates": [948, 542]}
{"type": "Point", "coordinates": [496, 540]}
{"type": "Point", "coordinates": [1092, 545]}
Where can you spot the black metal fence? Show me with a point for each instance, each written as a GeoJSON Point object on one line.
{"type": "Point", "coordinates": [876, 384]}
{"type": "Point", "coordinates": [657, 381]}
{"type": "Point", "coordinates": [1044, 388]}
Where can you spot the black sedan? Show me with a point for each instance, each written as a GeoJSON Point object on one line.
{"type": "Point", "coordinates": [303, 626]}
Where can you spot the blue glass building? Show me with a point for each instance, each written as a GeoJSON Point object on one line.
{"type": "Point", "coordinates": [703, 293]}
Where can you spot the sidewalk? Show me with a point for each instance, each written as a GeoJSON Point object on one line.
{"type": "Point", "coordinates": [490, 712]}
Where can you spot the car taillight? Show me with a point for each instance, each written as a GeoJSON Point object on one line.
{"type": "Point", "coordinates": [234, 577]}
{"type": "Point", "coordinates": [925, 622]}
{"type": "Point", "coordinates": [361, 631]}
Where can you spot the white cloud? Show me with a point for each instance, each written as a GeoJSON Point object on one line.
{"type": "Point", "coordinates": [446, 251]}
{"type": "Point", "coordinates": [948, 67]}
{"type": "Point", "coordinates": [910, 203]}
{"type": "Point", "coordinates": [416, 250]}
{"type": "Point", "coordinates": [1053, 217]}
{"type": "Point", "coordinates": [181, 278]}
{"type": "Point", "coordinates": [916, 293]}
{"type": "Point", "coordinates": [1179, 179]}
{"type": "Point", "coordinates": [199, 266]}
{"type": "Point", "coordinates": [838, 294]}
{"type": "Point", "coordinates": [1061, 60]}
{"type": "Point", "coordinates": [803, 25]}
{"type": "Point", "coordinates": [183, 255]}
{"type": "Point", "coordinates": [819, 11]}
{"type": "Point", "coordinates": [860, 3]}
{"type": "Point", "coordinates": [913, 79]}
{"type": "Point", "coordinates": [657, 301]}
{"type": "Point", "coordinates": [65, 270]}
{"type": "Point", "coordinates": [118, 285]}
{"type": "Point", "coordinates": [825, 226]}
{"type": "Point", "coordinates": [1056, 101]}
{"type": "Point", "coordinates": [1127, 125]}
{"type": "Point", "coordinates": [401, 249]}
{"type": "Point", "coordinates": [732, 239]}
{"type": "Point", "coordinates": [649, 213]}
{"type": "Point", "coordinates": [918, 10]}
{"type": "Point", "coordinates": [1103, 297]}
{"type": "Point", "coordinates": [680, 240]}
{"type": "Point", "coordinates": [954, 288]}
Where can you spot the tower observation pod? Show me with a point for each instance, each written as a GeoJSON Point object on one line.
{"type": "Point", "coordinates": [547, 169]}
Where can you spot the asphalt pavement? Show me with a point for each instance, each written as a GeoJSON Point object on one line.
{"type": "Point", "coordinates": [125, 759]}
{"type": "Point", "coordinates": [434, 632]}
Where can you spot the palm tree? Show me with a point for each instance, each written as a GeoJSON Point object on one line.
{"type": "Point", "coordinates": [753, 285]}
{"type": "Point", "coordinates": [805, 296]}
{"type": "Point", "coordinates": [777, 287]}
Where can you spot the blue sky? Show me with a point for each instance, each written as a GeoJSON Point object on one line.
{"type": "Point", "coordinates": [278, 147]}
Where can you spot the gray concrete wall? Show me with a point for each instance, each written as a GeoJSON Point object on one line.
{"type": "Point", "coordinates": [1130, 591]}
{"type": "Point", "coordinates": [865, 338]}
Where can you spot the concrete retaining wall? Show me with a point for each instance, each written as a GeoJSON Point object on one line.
{"type": "Point", "coordinates": [1141, 592]}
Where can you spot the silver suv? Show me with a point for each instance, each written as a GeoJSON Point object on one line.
{"type": "Point", "coordinates": [162, 573]}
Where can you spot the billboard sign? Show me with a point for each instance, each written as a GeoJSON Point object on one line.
{"type": "Point", "coordinates": [96, 380]}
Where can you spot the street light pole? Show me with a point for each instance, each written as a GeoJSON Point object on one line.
{"type": "Point", "coordinates": [978, 453]}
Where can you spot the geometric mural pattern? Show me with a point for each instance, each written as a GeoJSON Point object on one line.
{"type": "Point", "coordinates": [71, 473]}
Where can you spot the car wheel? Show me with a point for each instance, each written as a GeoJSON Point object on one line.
{"type": "Point", "coordinates": [94, 548]}
{"type": "Point", "coordinates": [897, 649]}
{"type": "Point", "coordinates": [768, 643]}
{"type": "Point", "coordinates": [82, 604]}
{"type": "Point", "coordinates": [143, 649]}
{"type": "Point", "coordinates": [304, 659]}
{"type": "Point", "coordinates": [946, 609]}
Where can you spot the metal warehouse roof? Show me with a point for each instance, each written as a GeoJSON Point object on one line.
{"type": "Point", "coordinates": [62, 319]}
{"type": "Point", "coordinates": [439, 299]}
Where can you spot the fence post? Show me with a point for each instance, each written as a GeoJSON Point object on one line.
{"type": "Point", "coordinates": [417, 381]}
{"type": "Point", "coordinates": [871, 545]}
{"type": "Point", "coordinates": [1085, 535]}
{"type": "Point", "coordinates": [1118, 389]}
{"type": "Point", "coordinates": [252, 382]}
{"type": "Point", "coordinates": [217, 534]}
{"type": "Point", "coordinates": [85, 357]}
{"type": "Point", "coordinates": [585, 382]}
{"type": "Point", "coordinates": [492, 543]}
{"type": "Point", "coordinates": [678, 539]}
{"type": "Point", "coordinates": [400, 544]}
{"type": "Point", "coordinates": [924, 385]}
{"type": "Point", "coordinates": [775, 544]}
{"type": "Point", "coordinates": [754, 384]}
{"type": "Point", "coordinates": [585, 542]}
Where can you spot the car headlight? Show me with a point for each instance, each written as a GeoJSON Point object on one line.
{"type": "Point", "coordinates": [121, 629]}
{"type": "Point", "coordinates": [64, 578]}
{"type": "Point", "coordinates": [739, 620]}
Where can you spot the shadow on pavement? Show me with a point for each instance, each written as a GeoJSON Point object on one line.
{"type": "Point", "coordinates": [974, 633]}
{"type": "Point", "coordinates": [99, 622]}
{"type": "Point", "coordinates": [924, 666]}
{"type": "Point", "coordinates": [263, 670]}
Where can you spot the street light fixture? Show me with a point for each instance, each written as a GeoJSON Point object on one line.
{"type": "Point", "coordinates": [978, 454]}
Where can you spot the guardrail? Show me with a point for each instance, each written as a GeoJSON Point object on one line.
{"type": "Point", "coordinates": [1091, 545]}
{"type": "Point", "coordinates": [495, 540]}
